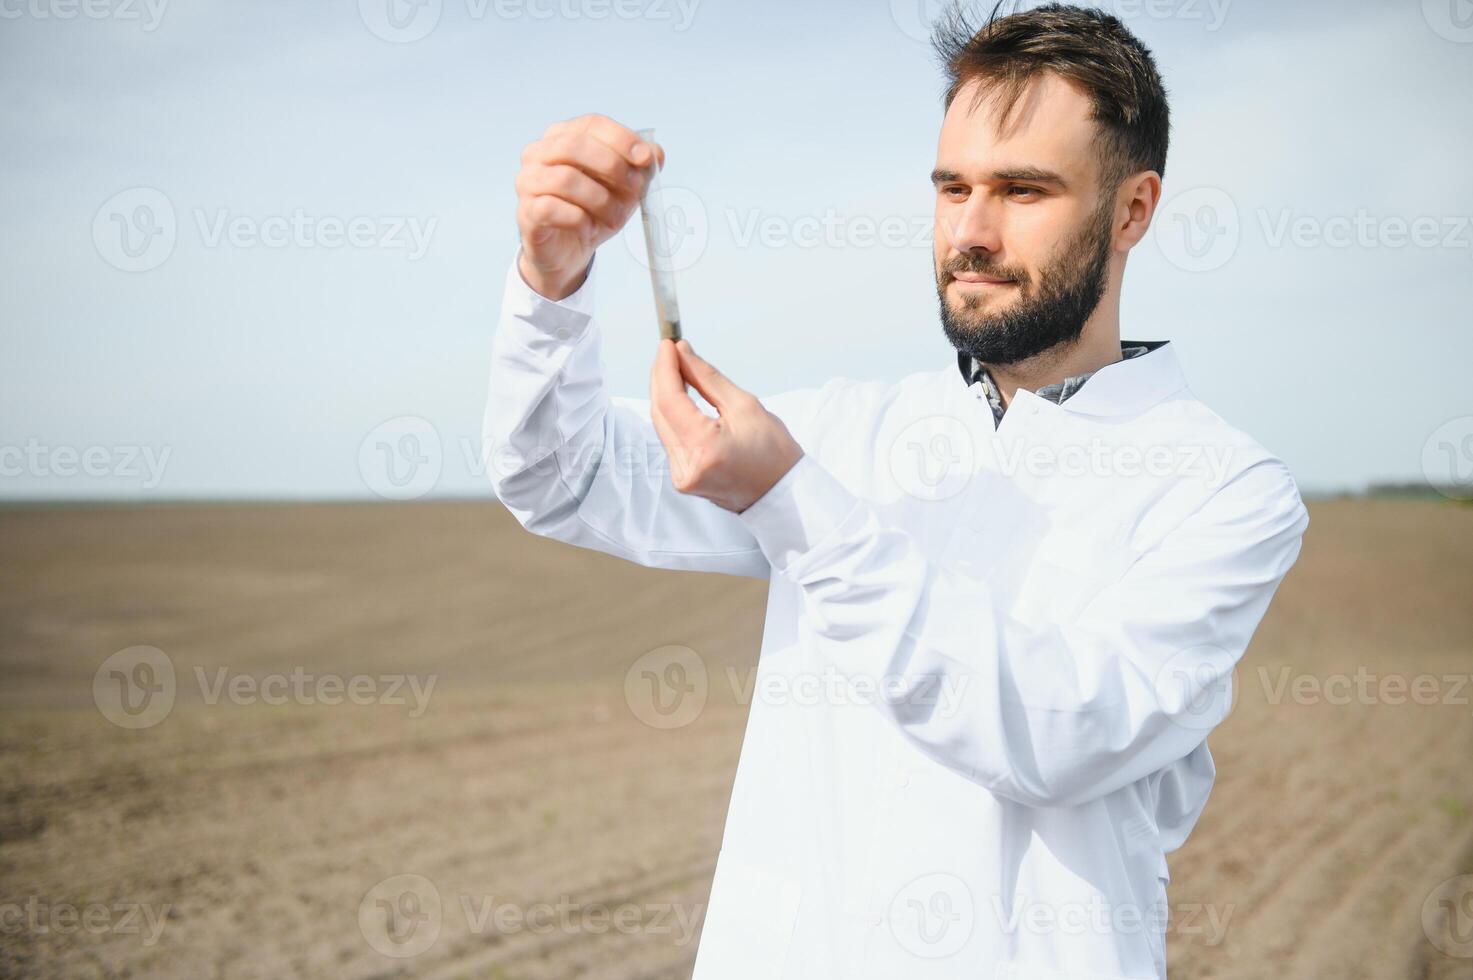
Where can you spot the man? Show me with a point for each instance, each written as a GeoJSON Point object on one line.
{"type": "Point", "coordinates": [1033, 576]}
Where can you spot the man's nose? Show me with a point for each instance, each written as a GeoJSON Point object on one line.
{"type": "Point", "coordinates": [971, 227]}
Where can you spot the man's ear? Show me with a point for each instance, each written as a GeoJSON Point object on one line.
{"type": "Point", "coordinates": [1136, 202]}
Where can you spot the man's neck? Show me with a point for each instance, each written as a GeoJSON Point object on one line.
{"type": "Point", "coordinates": [1097, 346]}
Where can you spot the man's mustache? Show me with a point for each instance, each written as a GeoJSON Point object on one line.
{"type": "Point", "coordinates": [983, 266]}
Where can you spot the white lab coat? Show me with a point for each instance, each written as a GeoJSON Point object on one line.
{"type": "Point", "coordinates": [991, 659]}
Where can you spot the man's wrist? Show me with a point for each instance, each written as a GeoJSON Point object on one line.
{"type": "Point", "coordinates": [550, 286]}
{"type": "Point", "coordinates": [775, 476]}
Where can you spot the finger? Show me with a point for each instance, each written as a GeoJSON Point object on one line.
{"type": "Point", "coordinates": [594, 157]}
{"type": "Point", "coordinates": [659, 160]}
{"type": "Point", "coordinates": [714, 386]}
{"type": "Point", "coordinates": [539, 215]}
{"type": "Point", "coordinates": [576, 187]}
{"type": "Point", "coordinates": [668, 396]}
{"type": "Point", "coordinates": [662, 428]}
{"type": "Point", "coordinates": [623, 139]}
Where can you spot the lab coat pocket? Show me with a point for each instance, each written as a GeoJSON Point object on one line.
{"type": "Point", "coordinates": [749, 922]}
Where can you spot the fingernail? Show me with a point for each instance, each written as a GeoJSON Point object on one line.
{"type": "Point", "coordinates": [641, 153]}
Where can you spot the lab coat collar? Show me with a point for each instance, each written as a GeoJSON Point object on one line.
{"type": "Point", "coordinates": [1130, 387]}
{"type": "Point", "coordinates": [1126, 387]}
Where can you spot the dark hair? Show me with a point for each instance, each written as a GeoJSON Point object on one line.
{"type": "Point", "coordinates": [1086, 46]}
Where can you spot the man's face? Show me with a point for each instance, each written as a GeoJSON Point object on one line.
{"type": "Point", "coordinates": [1023, 232]}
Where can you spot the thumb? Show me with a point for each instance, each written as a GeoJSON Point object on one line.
{"type": "Point", "coordinates": [714, 386]}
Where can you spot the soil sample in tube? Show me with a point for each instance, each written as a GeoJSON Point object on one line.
{"type": "Point", "coordinates": [660, 247]}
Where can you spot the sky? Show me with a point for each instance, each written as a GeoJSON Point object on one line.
{"type": "Point", "coordinates": [257, 250]}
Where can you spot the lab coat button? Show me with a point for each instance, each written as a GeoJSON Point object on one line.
{"type": "Point", "coordinates": [875, 920]}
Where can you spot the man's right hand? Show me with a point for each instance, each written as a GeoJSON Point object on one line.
{"type": "Point", "coordinates": [578, 184]}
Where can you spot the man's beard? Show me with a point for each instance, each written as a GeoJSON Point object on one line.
{"type": "Point", "coordinates": [1046, 315]}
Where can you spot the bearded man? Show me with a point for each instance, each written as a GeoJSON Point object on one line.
{"type": "Point", "coordinates": [1032, 570]}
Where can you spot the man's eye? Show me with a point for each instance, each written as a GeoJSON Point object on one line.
{"type": "Point", "coordinates": [1026, 193]}
{"type": "Point", "coordinates": [954, 191]}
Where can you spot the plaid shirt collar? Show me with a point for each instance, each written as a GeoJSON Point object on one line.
{"type": "Point", "coordinates": [975, 372]}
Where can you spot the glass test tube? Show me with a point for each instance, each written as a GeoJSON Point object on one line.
{"type": "Point", "coordinates": [660, 247]}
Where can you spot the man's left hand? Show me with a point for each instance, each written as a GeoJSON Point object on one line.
{"type": "Point", "coordinates": [731, 460]}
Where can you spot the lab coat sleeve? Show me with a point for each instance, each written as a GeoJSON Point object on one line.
{"type": "Point", "coordinates": [573, 463]}
{"type": "Point", "coordinates": [1054, 717]}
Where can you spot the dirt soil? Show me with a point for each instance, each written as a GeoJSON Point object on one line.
{"type": "Point", "coordinates": [548, 830]}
